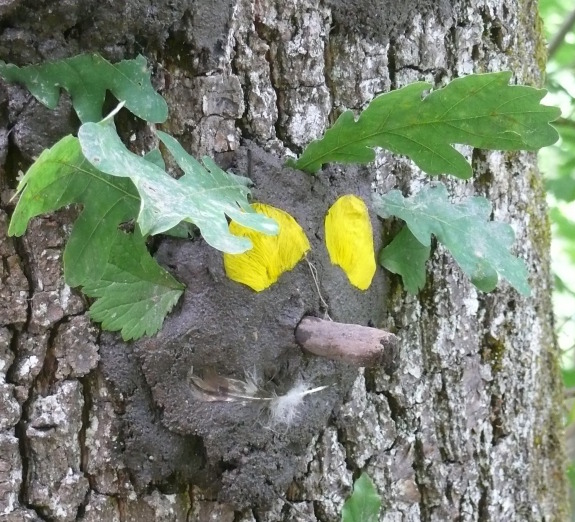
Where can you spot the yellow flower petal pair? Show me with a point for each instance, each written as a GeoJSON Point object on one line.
{"type": "Point", "coordinates": [349, 241]}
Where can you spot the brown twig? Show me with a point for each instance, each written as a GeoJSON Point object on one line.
{"type": "Point", "coordinates": [352, 343]}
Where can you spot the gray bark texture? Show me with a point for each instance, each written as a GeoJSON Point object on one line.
{"type": "Point", "coordinates": [464, 422]}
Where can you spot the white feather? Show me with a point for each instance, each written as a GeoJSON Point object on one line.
{"type": "Point", "coordinates": [284, 409]}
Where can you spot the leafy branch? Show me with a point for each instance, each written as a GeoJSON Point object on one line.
{"type": "Point", "coordinates": [559, 38]}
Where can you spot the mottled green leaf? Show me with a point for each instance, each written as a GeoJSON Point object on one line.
{"type": "Point", "coordinates": [480, 110]}
{"type": "Point", "coordinates": [87, 78]}
{"type": "Point", "coordinates": [480, 247]}
{"type": "Point", "coordinates": [155, 157]}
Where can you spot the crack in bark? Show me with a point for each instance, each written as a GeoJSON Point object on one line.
{"type": "Point", "coordinates": [84, 451]}
{"type": "Point", "coordinates": [482, 505]}
{"type": "Point", "coordinates": [391, 68]}
{"type": "Point", "coordinates": [23, 444]}
{"type": "Point", "coordinates": [243, 124]}
{"type": "Point", "coordinates": [418, 466]}
{"type": "Point", "coordinates": [20, 432]}
{"type": "Point", "coordinates": [267, 34]}
{"type": "Point", "coordinates": [26, 266]}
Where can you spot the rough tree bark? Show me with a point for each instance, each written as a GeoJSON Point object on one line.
{"type": "Point", "coordinates": [466, 426]}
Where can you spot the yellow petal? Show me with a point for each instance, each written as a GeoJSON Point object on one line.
{"type": "Point", "coordinates": [349, 240]}
{"type": "Point", "coordinates": [270, 256]}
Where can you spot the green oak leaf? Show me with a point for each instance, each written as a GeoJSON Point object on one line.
{"type": "Point", "coordinates": [480, 110]}
{"type": "Point", "coordinates": [87, 78]}
{"type": "Point", "coordinates": [182, 230]}
{"type": "Point", "coordinates": [480, 247]}
{"type": "Point", "coordinates": [155, 156]}
{"type": "Point", "coordinates": [62, 176]}
{"type": "Point", "coordinates": [134, 293]}
{"type": "Point", "coordinates": [406, 256]}
{"type": "Point", "coordinates": [364, 504]}
{"type": "Point", "coordinates": [204, 195]}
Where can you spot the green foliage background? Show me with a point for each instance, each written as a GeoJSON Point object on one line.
{"type": "Point", "coordinates": [558, 166]}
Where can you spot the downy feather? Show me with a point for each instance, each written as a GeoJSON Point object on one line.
{"type": "Point", "coordinates": [284, 409]}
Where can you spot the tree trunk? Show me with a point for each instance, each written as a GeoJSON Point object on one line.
{"type": "Point", "coordinates": [464, 425]}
